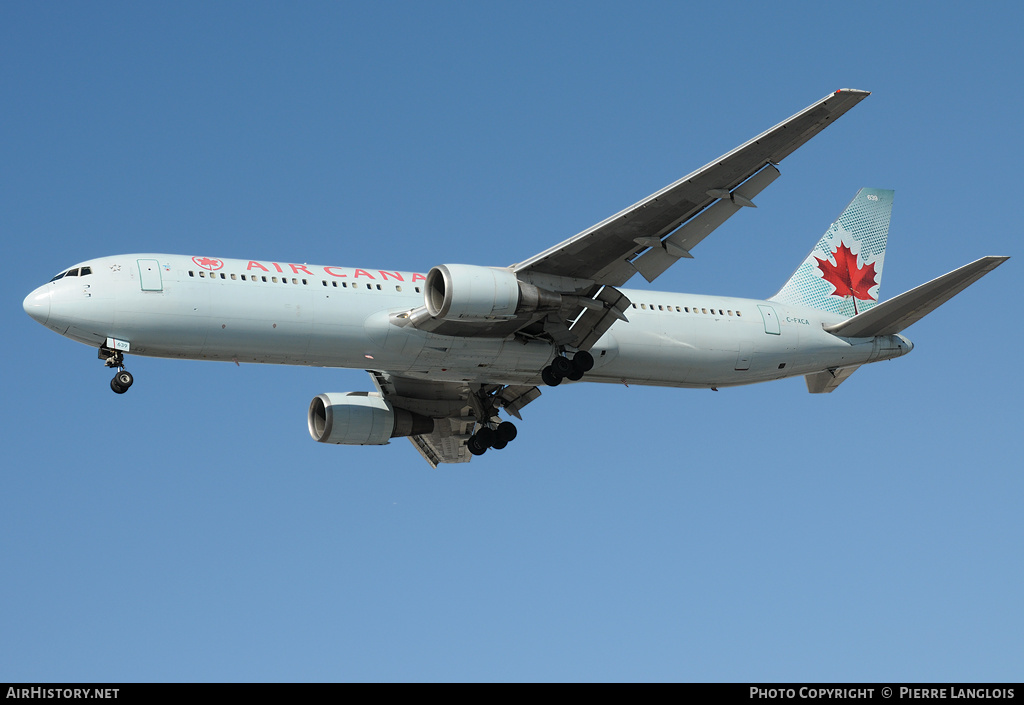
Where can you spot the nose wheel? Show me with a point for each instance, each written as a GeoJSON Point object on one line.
{"type": "Point", "coordinates": [122, 380]}
{"type": "Point", "coordinates": [115, 358]}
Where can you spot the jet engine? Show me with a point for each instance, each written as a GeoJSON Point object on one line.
{"type": "Point", "coordinates": [464, 292]}
{"type": "Point", "coordinates": [362, 418]}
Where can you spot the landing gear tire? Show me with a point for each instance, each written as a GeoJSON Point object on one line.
{"type": "Point", "coordinates": [562, 366]}
{"type": "Point", "coordinates": [485, 437]}
{"type": "Point", "coordinates": [506, 433]}
{"type": "Point", "coordinates": [550, 377]}
{"type": "Point", "coordinates": [575, 375]}
{"type": "Point", "coordinates": [583, 361]}
{"type": "Point", "coordinates": [121, 382]}
{"type": "Point", "coordinates": [474, 446]}
{"type": "Point", "coordinates": [498, 445]}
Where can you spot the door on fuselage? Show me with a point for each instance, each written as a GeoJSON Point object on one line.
{"type": "Point", "coordinates": [149, 275]}
{"type": "Point", "coordinates": [771, 320]}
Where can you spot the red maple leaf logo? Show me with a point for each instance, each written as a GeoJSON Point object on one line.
{"type": "Point", "coordinates": [848, 279]}
{"type": "Point", "coordinates": [208, 263]}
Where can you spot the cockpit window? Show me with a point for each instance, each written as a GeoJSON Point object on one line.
{"type": "Point", "coordinates": [76, 272]}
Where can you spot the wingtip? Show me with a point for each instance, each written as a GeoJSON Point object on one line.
{"type": "Point", "coordinates": [853, 90]}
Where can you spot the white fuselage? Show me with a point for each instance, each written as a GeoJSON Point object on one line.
{"type": "Point", "coordinates": [264, 312]}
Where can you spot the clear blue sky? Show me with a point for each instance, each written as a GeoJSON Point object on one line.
{"type": "Point", "coordinates": [191, 529]}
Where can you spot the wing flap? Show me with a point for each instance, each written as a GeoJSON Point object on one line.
{"type": "Point", "coordinates": [595, 322]}
{"type": "Point", "coordinates": [447, 444]}
{"type": "Point", "coordinates": [663, 254]}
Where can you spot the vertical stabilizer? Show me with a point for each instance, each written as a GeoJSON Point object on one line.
{"type": "Point", "coordinates": [843, 272]}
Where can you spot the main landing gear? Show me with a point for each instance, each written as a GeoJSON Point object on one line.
{"type": "Point", "coordinates": [487, 437]}
{"type": "Point", "coordinates": [115, 358]}
{"type": "Point", "coordinates": [564, 368]}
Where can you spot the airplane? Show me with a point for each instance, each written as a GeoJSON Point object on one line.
{"type": "Point", "coordinates": [450, 349]}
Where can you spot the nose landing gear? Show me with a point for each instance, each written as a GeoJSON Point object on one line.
{"type": "Point", "coordinates": [115, 358]}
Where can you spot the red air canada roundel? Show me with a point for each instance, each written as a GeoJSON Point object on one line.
{"type": "Point", "coordinates": [208, 263]}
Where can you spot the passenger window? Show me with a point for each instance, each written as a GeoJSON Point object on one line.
{"type": "Point", "coordinates": [233, 277]}
{"type": "Point", "coordinates": [661, 308]}
{"type": "Point", "coordinates": [264, 278]}
{"type": "Point", "coordinates": [397, 288]}
{"type": "Point", "coordinates": [730, 311]}
{"type": "Point", "coordinates": [304, 282]}
{"type": "Point", "coordinates": [417, 290]}
{"type": "Point", "coordinates": [738, 313]}
{"type": "Point", "coordinates": [704, 310]}
{"type": "Point", "coordinates": [203, 275]}
{"type": "Point", "coordinates": [273, 280]}
{"type": "Point", "coordinates": [191, 273]}
{"type": "Point", "coordinates": [294, 280]}
{"type": "Point", "coordinates": [243, 277]}
{"type": "Point", "coordinates": [643, 306]}
{"type": "Point", "coordinates": [222, 275]}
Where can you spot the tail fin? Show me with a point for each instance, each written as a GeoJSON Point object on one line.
{"type": "Point", "coordinates": [843, 272]}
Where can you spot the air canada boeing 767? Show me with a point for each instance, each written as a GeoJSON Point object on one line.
{"type": "Point", "coordinates": [450, 349]}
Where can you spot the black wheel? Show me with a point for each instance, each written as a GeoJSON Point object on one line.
{"type": "Point", "coordinates": [124, 379]}
{"type": "Point", "coordinates": [506, 432]}
{"type": "Point", "coordinates": [474, 446]}
{"type": "Point", "coordinates": [498, 445]}
{"type": "Point", "coordinates": [562, 366]}
{"type": "Point", "coordinates": [485, 437]}
{"type": "Point", "coordinates": [550, 377]}
{"type": "Point", "coordinates": [118, 389]}
{"type": "Point", "coordinates": [575, 375]}
{"type": "Point", "coordinates": [583, 361]}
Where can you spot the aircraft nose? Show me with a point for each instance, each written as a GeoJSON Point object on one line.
{"type": "Point", "coordinates": [37, 304]}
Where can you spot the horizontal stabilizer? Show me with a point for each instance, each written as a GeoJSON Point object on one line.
{"type": "Point", "coordinates": [892, 316]}
{"type": "Point", "coordinates": [827, 381]}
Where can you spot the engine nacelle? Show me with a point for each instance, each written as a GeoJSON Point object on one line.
{"type": "Point", "coordinates": [465, 292]}
{"type": "Point", "coordinates": [361, 418]}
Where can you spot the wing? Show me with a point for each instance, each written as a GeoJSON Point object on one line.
{"type": "Point", "coordinates": [455, 408]}
{"type": "Point", "coordinates": [605, 252]}
{"type": "Point", "coordinates": [648, 237]}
